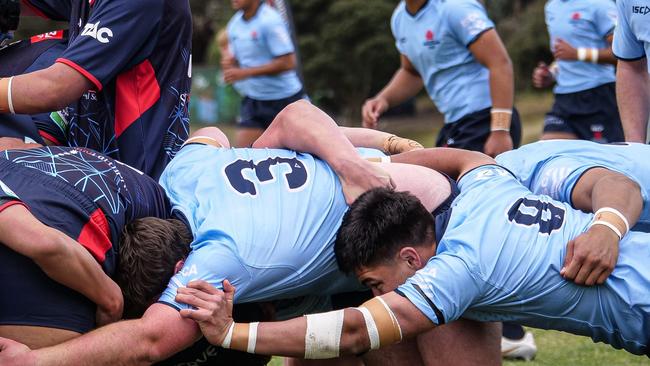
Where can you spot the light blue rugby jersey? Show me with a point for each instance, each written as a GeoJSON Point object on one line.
{"type": "Point", "coordinates": [436, 41]}
{"type": "Point", "coordinates": [256, 42]}
{"type": "Point", "coordinates": [581, 23]}
{"type": "Point", "coordinates": [554, 167]}
{"type": "Point", "coordinates": [632, 35]}
{"type": "Point", "coordinates": [269, 231]}
{"type": "Point", "coordinates": [500, 258]}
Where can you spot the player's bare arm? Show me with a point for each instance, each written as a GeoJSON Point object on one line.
{"type": "Point", "coordinates": [632, 95]}
{"type": "Point", "coordinates": [405, 84]}
{"type": "Point", "coordinates": [159, 334]}
{"type": "Point", "coordinates": [491, 53]}
{"type": "Point", "coordinates": [617, 200]}
{"type": "Point", "coordinates": [276, 66]}
{"type": "Point", "coordinates": [41, 91]}
{"type": "Point", "coordinates": [379, 322]}
{"type": "Point", "coordinates": [303, 127]}
{"type": "Point", "coordinates": [453, 162]}
{"type": "Point", "coordinates": [562, 50]}
{"type": "Point", "coordinates": [62, 259]}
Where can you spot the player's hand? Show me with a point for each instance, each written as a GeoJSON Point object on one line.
{"type": "Point", "coordinates": [361, 175]}
{"type": "Point", "coordinates": [228, 61]}
{"type": "Point", "coordinates": [371, 111]}
{"type": "Point", "coordinates": [542, 76]}
{"type": "Point", "coordinates": [591, 257]}
{"type": "Point", "coordinates": [564, 51]}
{"type": "Point", "coordinates": [396, 145]}
{"type": "Point", "coordinates": [498, 142]}
{"type": "Point", "coordinates": [212, 308]}
{"type": "Point", "coordinates": [233, 74]}
{"type": "Point", "coordinates": [112, 310]}
{"type": "Point", "coordinates": [13, 353]}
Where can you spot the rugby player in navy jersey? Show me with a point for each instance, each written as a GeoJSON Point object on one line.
{"type": "Point", "coordinates": [124, 78]}
{"type": "Point", "coordinates": [66, 208]}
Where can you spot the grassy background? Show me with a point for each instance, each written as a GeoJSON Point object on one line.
{"type": "Point", "coordinates": [554, 348]}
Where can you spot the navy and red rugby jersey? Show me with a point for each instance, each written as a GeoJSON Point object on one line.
{"type": "Point", "coordinates": [138, 55]}
{"type": "Point", "coordinates": [82, 193]}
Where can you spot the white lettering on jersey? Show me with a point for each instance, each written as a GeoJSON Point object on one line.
{"type": "Point", "coordinates": [100, 34]}
{"type": "Point", "coordinates": [474, 23]}
{"type": "Point", "coordinates": [188, 271]}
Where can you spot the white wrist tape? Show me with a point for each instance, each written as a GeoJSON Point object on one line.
{"type": "Point", "coordinates": [323, 336]}
{"type": "Point", "coordinates": [228, 339]}
{"type": "Point", "coordinates": [609, 225]}
{"type": "Point", "coordinates": [252, 337]}
{"type": "Point", "coordinates": [594, 55]}
{"type": "Point", "coordinates": [373, 332]}
{"type": "Point", "coordinates": [10, 99]}
{"type": "Point", "coordinates": [582, 54]}
{"type": "Point", "coordinates": [501, 110]}
{"type": "Point", "coordinates": [615, 212]}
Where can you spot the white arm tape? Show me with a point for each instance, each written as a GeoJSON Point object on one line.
{"type": "Point", "coordinates": [323, 337]}
{"type": "Point", "coordinates": [252, 337]}
{"type": "Point", "coordinates": [10, 98]}
{"type": "Point", "coordinates": [392, 316]}
{"type": "Point", "coordinates": [228, 339]}
{"type": "Point", "coordinates": [617, 213]}
{"type": "Point", "coordinates": [373, 332]}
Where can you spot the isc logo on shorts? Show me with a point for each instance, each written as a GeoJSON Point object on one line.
{"type": "Point", "coordinates": [100, 34]}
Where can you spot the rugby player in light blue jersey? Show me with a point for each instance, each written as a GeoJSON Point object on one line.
{"type": "Point", "coordinates": [581, 33]}
{"type": "Point", "coordinates": [262, 67]}
{"type": "Point", "coordinates": [631, 47]}
{"type": "Point", "coordinates": [499, 259]}
{"type": "Point", "coordinates": [265, 219]}
{"type": "Point", "coordinates": [452, 49]}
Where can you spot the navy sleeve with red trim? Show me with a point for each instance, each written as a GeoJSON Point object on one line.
{"type": "Point", "coordinates": [50, 9]}
{"type": "Point", "coordinates": [119, 34]}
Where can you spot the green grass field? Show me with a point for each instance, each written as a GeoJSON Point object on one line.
{"type": "Point", "coordinates": [554, 348]}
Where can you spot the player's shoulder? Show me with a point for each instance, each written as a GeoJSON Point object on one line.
{"type": "Point", "coordinates": [398, 13]}
{"type": "Point", "coordinates": [268, 14]}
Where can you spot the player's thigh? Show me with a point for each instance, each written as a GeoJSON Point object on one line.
{"type": "Point", "coordinates": [246, 136]}
{"type": "Point", "coordinates": [462, 343]}
{"type": "Point", "coordinates": [36, 337]}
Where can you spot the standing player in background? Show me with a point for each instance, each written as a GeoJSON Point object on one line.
{"type": "Point", "coordinates": [631, 47]}
{"type": "Point", "coordinates": [263, 67]}
{"type": "Point", "coordinates": [453, 50]}
{"type": "Point", "coordinates": [581, 33]}
{"type": "Point", "coordinates": [124, 78]}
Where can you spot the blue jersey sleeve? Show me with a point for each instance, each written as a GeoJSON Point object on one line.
{"type": "Point", "coordinates": [118, 35]}
{"type": "Point", "coordinates": [51, 9]}
{"type": "Point", "coordinates": [443, 290]}
{"type": "Point", "coordinates": [210, 261]}
{"type": "Point", "coordinates": [468, 20]}
{"type": "Point", "coordinates": [626, 45]}
{"type": "Point", "coordinates": [277, 37]}
{"type": "Point", "coordinates": [393, 27]}
{"type": "Point", "coordinates": [605, 18]}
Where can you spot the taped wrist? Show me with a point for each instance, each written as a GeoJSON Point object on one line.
{"type": "Point", "coordinates": [396, 145]}
{"type": "Point", "coordinates": [241, 337]}
{"type": "Point", "coordinates": [500, 119]}
{"type": "Point", "coordinates": [613, 219]}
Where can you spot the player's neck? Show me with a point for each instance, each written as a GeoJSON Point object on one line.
{"type": "Point", "coordinates": [413, 6]}
{"type": "Point", "coordinates": [251, 10]}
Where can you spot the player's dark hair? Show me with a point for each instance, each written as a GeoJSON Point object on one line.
{"type": "Point", "coordinates": [149, 250]}
{"type": "Point", "coordinates": [377, 225]}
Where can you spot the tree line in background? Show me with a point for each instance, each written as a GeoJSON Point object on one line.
{"type": "Point", "coordinates": [346, 46]}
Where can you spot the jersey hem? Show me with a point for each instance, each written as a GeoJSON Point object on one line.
{"type": "Point", "coordinates": [629, 59]}
{"type": "Point", "coordinates": [82, 71]}
{"type": "Point", "coordinates": [170, 305]}
{"type": "Point", "coordinates": [476, 37]}
{"type": "Point", "coordinates": [5, 205]}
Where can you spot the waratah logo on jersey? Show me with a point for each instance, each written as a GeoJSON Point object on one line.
{"type": "Point", "coordinates": [430, 39]}
{"type": "Point", "coordinates": [95, 31]}
{"type": "Point", "coordinates": [575, 18]}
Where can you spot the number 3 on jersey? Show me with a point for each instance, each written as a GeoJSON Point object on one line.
{"type": "Point", "coordinates": [530, 212]}
{"type": "Point", "coordinates": [295, 178]}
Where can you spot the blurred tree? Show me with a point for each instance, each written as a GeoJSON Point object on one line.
{"type": "Point", "coordinates": [347, 50]}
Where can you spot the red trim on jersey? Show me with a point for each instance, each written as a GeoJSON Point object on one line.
{"type": "Point", "coordinates": [96, 236]}
{"type": "Point", "coordinates": [91, 2]}
{"type": "Point", "coordinates": [82, 71]}
{"type": "Point", "coordinates": [47, 36]}
{"type": "Point", "coordinates": [13, 203]}
{"type": "Point", "coordinates": [49, 137]}
{"type": "Point", "coordinates": [34, 9]}
{"type": "Point", "coordinates": [137, 90]}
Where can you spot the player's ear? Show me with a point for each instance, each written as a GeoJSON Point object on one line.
{"type": "Point", "coordinates": [411, 257]}
{"type": "Point", "coordinates": [179, 265]}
